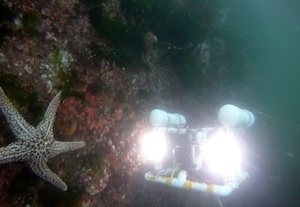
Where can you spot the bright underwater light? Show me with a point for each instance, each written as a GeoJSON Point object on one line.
{"type": "Point", "coordinates": [222, 153]}
{"type": "Point", "coordinates": [154, 146]}
{"type": "Point", "coordinates": [205, 159]}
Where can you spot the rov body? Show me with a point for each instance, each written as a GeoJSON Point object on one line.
{"type": "Point", "coordinates": [206, 159]}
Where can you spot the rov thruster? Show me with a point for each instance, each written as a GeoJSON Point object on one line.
{"type": "Point", "coordinates": [206, 159]}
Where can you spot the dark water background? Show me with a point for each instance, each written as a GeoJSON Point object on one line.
{"type": "Point", "coordinates": [273, 82]}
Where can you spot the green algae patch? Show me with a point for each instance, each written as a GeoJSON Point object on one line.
{"type": "Point", "coordinates": [57, 56]}
{"type": "Point", "coordinates": [144, 94]}
{"type": "Point", "coordinates": [127, 40]}
{"type": "Point", "coordinates": [20, 97]}
{"type": "Point", "coordinates": [69, 82]}
{"type": "Point", "coordinates": [94, 162]}
{"type": "Point", "coordinates": [31, 23]}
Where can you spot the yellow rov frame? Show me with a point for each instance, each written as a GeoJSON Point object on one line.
{"type": "Point", "coordinates": [182, 182]}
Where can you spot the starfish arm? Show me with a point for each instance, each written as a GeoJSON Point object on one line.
{"type": "Point", "coordinates": [19, 126]}
{"type": "Point", "coordinates": [40, 168]}
{"type": "Point", "coordinates": [14, 152]}
{"type": "Point", "coordinates": [58, 147]}
{"type": "Point", "coordinates": [46, 125]}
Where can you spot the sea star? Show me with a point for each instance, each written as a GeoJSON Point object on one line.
{"type": "Point", "coordinates": [34, 145]}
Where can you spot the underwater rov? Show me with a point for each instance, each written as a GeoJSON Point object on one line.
{"type": "Point", "coordinates": [206, 159]}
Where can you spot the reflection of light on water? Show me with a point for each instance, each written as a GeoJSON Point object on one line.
{"type": "Point", "coordinates": [275, 178]}
{"type": "Point", "coordinates": [290, 155]}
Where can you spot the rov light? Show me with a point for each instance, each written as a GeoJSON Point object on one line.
{"type": "Point", "coordinates": [154, 146]}
{"type": "Point", "coordinates": [222, 153]}
{"type": "Point", "coordinates": [232, 116]}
